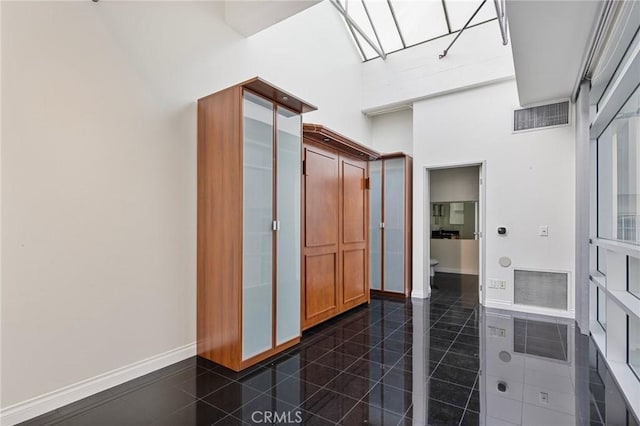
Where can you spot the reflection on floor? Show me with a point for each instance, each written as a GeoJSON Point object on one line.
{"type": "Point", "coordinates": [464, 286]}
{"type": "Point", "coordinates": [440, 361]}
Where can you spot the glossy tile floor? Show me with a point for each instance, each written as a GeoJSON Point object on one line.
{"type": "Point", "coordinates": [442, 361]}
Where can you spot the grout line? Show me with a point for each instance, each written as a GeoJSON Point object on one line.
{"type": "Point", "coordinates": [466, 406]}
{"type": "Point", "coordinates": [380, 379]}
{"type": "Point", "coordinates": [452, 342]}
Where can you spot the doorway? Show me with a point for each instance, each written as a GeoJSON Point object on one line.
{"type": "Point", "coordinates": [454, 215]}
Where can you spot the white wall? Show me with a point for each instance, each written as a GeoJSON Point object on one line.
{"type": "Point", "coordinates": [393, 132]}
{"type": "Point", "coordinates": [477, 57]}
{"type": "Point", "coordinates": [529, 180]}
{"type": "Point", "coordinates": [99, 169]}
{"type": "Point", "coordinates": [454, 184]}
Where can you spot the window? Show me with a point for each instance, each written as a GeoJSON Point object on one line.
{"type": "Point", "coordinates": [633, 344]}
{"type": "Point", "coordinates": [633, 280]}
{"type": "Point", "coordinates": [393, 25]}
{"type": "Point", "coordinates": [602, 261]}
{"type": "Point", "coordinates": [602, 308]}
{"type": "Point", "coordinates": [619, 175]}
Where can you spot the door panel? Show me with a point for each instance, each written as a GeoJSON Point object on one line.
{"type": "Point", "coordinates": [394, 226]}
{"type": "Point", "coordinates": [321, 198]}
{"type": "Point", "coordinates": [257, 240]}
{"type": "Point", "coordinates": [354, 199]}
{"type": "Point", "coordinates": [353, 274]}
{"type": "Point", "coordinates": [321, 186]}
{"type": "Point", "coordinates": [375, 219]}
{"type": "Point", "coordinates": [288, 234]}
{"type": "Point", "coordinates": [320, 285]}
{"type": "Point", "coordinates": [353, 207]}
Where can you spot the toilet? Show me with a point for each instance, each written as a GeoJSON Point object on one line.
{"type": "Point", "coordinates": [433, 263]}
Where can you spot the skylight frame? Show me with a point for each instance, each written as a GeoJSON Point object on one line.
{"type": "Point", "coordinates": [377, 43]}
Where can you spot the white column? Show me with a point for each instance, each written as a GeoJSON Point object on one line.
{"type": "Point", "coordinates": [582, 209]}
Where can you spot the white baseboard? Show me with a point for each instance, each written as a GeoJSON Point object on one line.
{"type": "Point", "coordinates": [419, 294]}
{"type": "Point", "coordinates": [501, 304]}
{"type": "Point", "coordinates": [39, 405]}
{"type": "Point", "coordinates": [498, 304]}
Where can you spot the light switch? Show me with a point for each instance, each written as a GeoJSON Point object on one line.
{"type": "Point", "coordinates": [544, 231]}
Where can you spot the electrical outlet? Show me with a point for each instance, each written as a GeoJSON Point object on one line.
{"type": "Point", "coordinates": [497, 331]}
{"type": "Point", "coordinates": [544, 230]}
{"type": "Point", "coordinates": [499, 284]}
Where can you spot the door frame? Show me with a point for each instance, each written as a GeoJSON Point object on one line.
{"type": "Point", "coordinates": [426, 212]}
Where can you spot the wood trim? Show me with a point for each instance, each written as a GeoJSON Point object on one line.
{"type": "Point", "coordinates": [334, 140]}
{"type": "Point", "coordinates": [408, 220]}
{"type": "Point", "coordinates": [391, 155]}
{"type": "Point", "coordinates": [387, 294]}
{"type": "Point", "coordinates": [219, 328]}
{"type": "Point", "coordinates": [408, 225]}
{"type": "Point", "coordinates": [267, 354]}
{"type": "Point", "coordinates": [274, 236]}
{"type": "Point", "coordinates": [339, 256]}
{"type": "Point", "coordinates": [277, 95]}
{"type": "Point", "coordinates": [382, 231]}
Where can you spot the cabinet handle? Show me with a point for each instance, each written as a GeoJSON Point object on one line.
{"type": "Point", "coordinates": [381, 225]}
{"type": "Point", "coordinates": [275, 225]}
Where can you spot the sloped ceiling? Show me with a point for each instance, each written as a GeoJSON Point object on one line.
{"type": "Point", "coordinates": [549, 40]}
{"type": "Point", "coordinates": [250, 17]}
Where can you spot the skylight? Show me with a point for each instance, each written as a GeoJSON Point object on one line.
{"type": "Point", "coordinates": [380, 27]}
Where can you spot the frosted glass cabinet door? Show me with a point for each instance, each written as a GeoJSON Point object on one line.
{"type": "Point", "coordinates": [257, 240]}
{"type": "Point", "coordinates": [288, 234]}
{"type": "Point", "coordinates": [394, 225]}
{"type": "Point", "coordinates": [375, 218]}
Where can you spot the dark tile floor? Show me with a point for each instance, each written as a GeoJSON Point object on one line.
{"type": "Point", "coordinates": [394, 362]}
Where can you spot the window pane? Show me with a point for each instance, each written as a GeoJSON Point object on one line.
{"type": "Point", "coordinates": [460, 11]}
{"type": "Point", "coordinates": [369, 53]}
{"type": "Point", "coordinates": [634, 345]}
{"type": "Point", "coordinates": [634, 276]}
{"type": "Point", "coordinates": [602, 308]}
{"type": "Point", "coordinates": [357, 12]}
{"type": "Point", "coordinates": [384, 25]}
{"type": "Point", "coordinates": [420, 20]}
{"type": "Point", "coordinates": [602, 261]}
{"type": "Point", "coordinates": [257, 234]}
{"type": "Point", "coordinates": [619, 175]}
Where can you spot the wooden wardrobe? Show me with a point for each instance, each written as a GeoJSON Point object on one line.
{"type": "Point", "coordinates": [249, 149]}
{"type": "Point", "coordinates": [335, 227]}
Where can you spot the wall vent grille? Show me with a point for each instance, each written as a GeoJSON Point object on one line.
{"type": "Point", "coordinates": [540, 288]}
{"type": "Point", "coordinates": [541, 116]}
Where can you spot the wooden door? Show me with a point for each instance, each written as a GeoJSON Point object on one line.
{"type": "Point", "coordinates": [320, 265]}
{"type": "Point", "coordinates": [354, 221]}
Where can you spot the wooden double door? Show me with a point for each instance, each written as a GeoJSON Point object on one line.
{"type": "Point", "coordinates": [335, 266]}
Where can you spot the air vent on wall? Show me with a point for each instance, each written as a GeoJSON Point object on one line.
{"type": "Point", "coordinates": [541, 288]}
{"type": "Point", "coordinates": [541, 116]}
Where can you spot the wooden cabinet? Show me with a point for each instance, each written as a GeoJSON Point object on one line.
{"type": "Point", "coordinates": [335, 246]}
{"type": "Point", "coordinates": [390, 224]}
{"type": "Point", "coordinates": [249, 150]}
